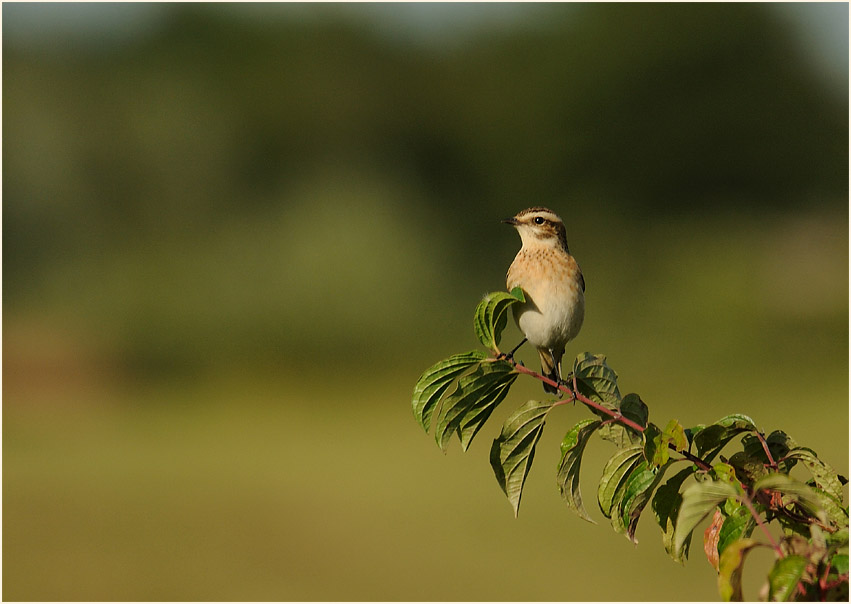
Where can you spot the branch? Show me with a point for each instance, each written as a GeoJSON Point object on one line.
{"type": "Point", "coordinates": [772, 464]}
{"type": "Point", "coordinates": [572, 394]}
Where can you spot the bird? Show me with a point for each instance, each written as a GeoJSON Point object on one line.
{"type": "Point", "coordinates": [552, 284]}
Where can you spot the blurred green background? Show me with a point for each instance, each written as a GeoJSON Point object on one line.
{"type": "Point", "coordinates": [234, 235]}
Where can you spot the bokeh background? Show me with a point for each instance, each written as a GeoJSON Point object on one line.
{"type": "Point", "coordinates": [234, 235]}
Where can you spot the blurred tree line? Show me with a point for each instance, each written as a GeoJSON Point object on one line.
{"type": "Point", "coordinates": [244, 173]}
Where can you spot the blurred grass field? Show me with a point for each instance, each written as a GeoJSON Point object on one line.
{"type": "Point", "coordinates": [235, 235]}
{"type": "Point", "coordinates": [309, 482]}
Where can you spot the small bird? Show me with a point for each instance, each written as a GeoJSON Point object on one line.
{"type": "Point", "coordinates": [553, 285]}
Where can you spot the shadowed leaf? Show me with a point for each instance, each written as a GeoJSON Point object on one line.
{"type": "Point", "coordinates": [784, 577]}
{"type": "Point", "coordinates": [514, 449]}
{"type": "Point", "coordinates": [572, 448]}
{"type": "Point", "coordinates": [714, 436]}
{"type": "Point", "coordinates": [666, 508]}
{"type": "Point", "coordinates": [435, 380]}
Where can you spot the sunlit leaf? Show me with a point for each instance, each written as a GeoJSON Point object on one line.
{"type": "Point", "coordinates": [481, 387]}
{"type": "Point", "coordinates": [572, 448]}
{"type": "Point", "coordinates": [490, 318]}
{"type": "Point", "coordinates": [615, 473]}
{"type": "Point", "coordinates": [476, 416]}
{"type": "Point", "coordinates": [435, 380]}
{"type": "Point", "coordinates": [699, 500]}
{"type": "Point", "coordinates": [825, 477]}
{"type": "Point", "coordinates": [790, 487]}
{"type": "Point", "coordinates": [730, 569]}
{"type": "Point", "coordinates": [784, 577]}
{"type": "Point", "coordinates": [514, 449]}
{"type": "Point", "coordinates": [675, 435]}
{"type": "Point", "coordinates": [655, 452]}
{"type": "Point", "coordinates": [666, 507]}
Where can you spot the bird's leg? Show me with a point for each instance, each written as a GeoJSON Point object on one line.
{"type": "Point", "coordinates": [510, 356]}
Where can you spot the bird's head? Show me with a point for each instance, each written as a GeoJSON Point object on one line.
{"type": "Point", "coordinates": [539, 226]}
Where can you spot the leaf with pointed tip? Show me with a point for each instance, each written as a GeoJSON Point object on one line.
{"type": "Point", "coordinates": [481, 387]}
{"type": "Point", "coordinates": [699, 500]}
{"type": "Point", "coordinates": [514, 449]}
{"type": "Point", "coordinates": [615, 473]}
{"type": "Point", "coordinates": [655, 452]}
{"type": "Point", "coordinates": [798, 491]}
{"type": "Point", "coordinates": [572, 448]}
{"type": "Point", "coordinates": [714, 436]}
{"type": "Point", "coordinates": [490, 318]}
{"type": "Point", "coordinates": [784, 577]}
{"type": "Point", "coordinates": [730, 569]}
{"type": "Point", "coordinates": [435, 381]}
{"type": "Point", "coordinates": [596, 380]}
{"type": "Point", "coordinates": [825, 477]}
{"type": "Point", "coordinates": [666, 507]}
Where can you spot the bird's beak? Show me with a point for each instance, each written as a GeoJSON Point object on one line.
{"type": "Point", "coordinates": [512, 221]}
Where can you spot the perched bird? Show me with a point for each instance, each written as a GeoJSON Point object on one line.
{"type": "Point", "coordinates": [553, 285]}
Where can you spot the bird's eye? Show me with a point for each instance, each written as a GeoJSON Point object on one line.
{"type": "Point", "coordinates": [539, 220]}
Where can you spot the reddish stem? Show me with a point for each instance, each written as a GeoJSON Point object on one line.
{"type": "Point", "coordinates": [746, 500]}
{"type": "Point", "coordinates": [576, 395]}
{"type": "Point", "coordinates": [771, 462]}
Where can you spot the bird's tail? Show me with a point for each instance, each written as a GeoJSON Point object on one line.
{"type": "Point", "coordinates": [551, 367]}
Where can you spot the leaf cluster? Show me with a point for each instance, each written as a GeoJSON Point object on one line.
{"type": "Point", "coordinates": [749, 489]}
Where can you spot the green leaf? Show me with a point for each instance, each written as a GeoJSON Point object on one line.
{"type": "Point", "coordinates": [840, 563]}
{"type": "Point", "coordinates": [476, 416]}
{"type": "Point", "coordinates": [730, 569]}
{"type": "Point", "coordinates": [666, 507]}
{"type": "Point", "coordinates": [748, 469]}
{"type": "Point", "coordinates": [784, 577]}
{"type": "Point", "coordinates": [572, 448]}
{"type": "Point", "coordinates": [793, 489]}
{"type": "Point", "coordinates": [826, 477]}
{"type": "Point", "coordinates": [514, 449]}
{"type": "Point", "coordinates": [632, 407]}
{"type": "Point", "coordinates": [481, 388]}
{"type": "Point", "coordinates": [739, 524]}
{"type": "Point", "coordinates": [490, 318]}
{"type": "Point", "coordinates": [434, 382]}
{"type": "Point", "coordinates": [637, 493]}
{"type": "Point", "coordinates": [699, 500]}
{"type": "Point", "coordinates": [619, 466]}
{"type": "Point", "coordinates": [596, 380]}
{"type": "Point", "coordinates": [655, 452]}
{"type": "Point", "coordinates": [714, 436]}
{"type": "Point", "coordinates": [675, 435]}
